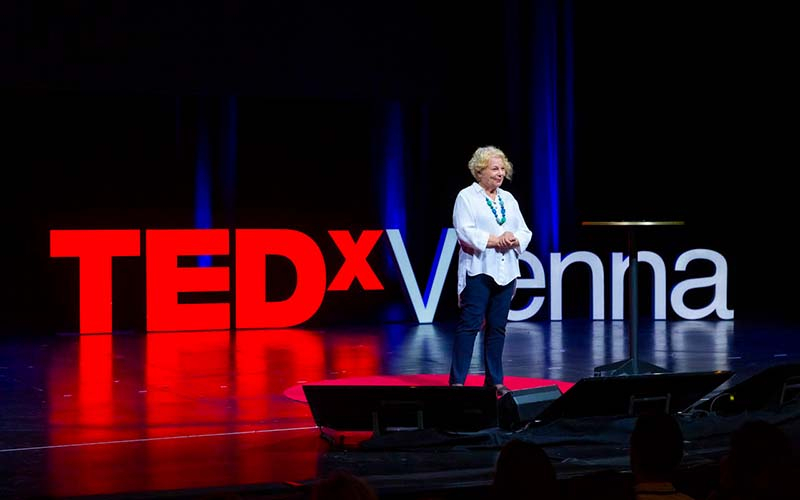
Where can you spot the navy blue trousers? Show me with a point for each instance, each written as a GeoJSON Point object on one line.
{"type": "Point", "coordinates": [484, 305]}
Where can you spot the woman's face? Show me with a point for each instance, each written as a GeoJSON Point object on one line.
{"type": "Point", "coordinates": [492, 176]}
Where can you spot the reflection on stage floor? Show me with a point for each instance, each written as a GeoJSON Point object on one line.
{"type": "Point", "coordinates": [154, 414]}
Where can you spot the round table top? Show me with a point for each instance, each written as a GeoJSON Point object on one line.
{"type": "Point", "coordinates": [634, 223]}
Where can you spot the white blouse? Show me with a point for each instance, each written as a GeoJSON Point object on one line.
{"type": "Point", "coordinates": [474, 221]}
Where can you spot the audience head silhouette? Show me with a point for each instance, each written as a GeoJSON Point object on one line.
{"type": "Point", "coordinates": [656, 451]}
{"type": "Point", "coordinates": [342, 485]}
{"type": "Point", "coordinates": [523, 470]}
{"type": "Point", "coordinates": [656, 447]}
{"type": "Point", "coordinates": [758, 463]}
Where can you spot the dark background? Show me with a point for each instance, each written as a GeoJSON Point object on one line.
{"type": "Point", "coordinates": [682, 111]}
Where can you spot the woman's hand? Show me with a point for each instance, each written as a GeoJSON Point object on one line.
{"type": "Point", "coordinates": [508, 241]}
{"type": "Point", "coordinates": [505, 241]}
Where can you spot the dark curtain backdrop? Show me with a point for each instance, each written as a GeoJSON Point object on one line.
{"type": "Point", "coordinates": [680, 111]}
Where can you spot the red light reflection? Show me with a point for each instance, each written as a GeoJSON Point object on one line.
{"type": "Point", "coordinates": [168, 411]}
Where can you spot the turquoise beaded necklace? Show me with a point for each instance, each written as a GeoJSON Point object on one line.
{"type": "Point", "coordinates": [502, 219]}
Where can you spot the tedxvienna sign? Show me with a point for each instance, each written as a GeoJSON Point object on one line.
{"type": "Point", "coordinates": [166, 279]}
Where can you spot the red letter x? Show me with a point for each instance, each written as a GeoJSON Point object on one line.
{"type": "Point", "coordinates": [355, 260]}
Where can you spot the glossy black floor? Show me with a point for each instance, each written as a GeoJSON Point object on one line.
{"type": "Point", "coordinates": [208, 413]}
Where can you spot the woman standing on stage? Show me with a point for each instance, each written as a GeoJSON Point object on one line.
{"type": "Point", "coordinates": [492, 234]}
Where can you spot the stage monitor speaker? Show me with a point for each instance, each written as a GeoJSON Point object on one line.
{"type": "Point", "coordinates": [387, 408]}
{"type": "Point", "coordinates": [632, 395]}
{"type": "Point", "coordinates": [517, 408]}
{"type": "Point", "coordinates": [767, 390]}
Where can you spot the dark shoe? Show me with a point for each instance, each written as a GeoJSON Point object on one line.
{"type": "Point", "coordinates": [501, 390]}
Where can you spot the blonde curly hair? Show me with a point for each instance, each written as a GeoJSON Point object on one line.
{"type": "Point", "coordinates": [480, 160]}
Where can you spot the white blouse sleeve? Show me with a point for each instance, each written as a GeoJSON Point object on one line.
{"type": "Point", "coordinates": [521, 231]}
{"type": "Point", "coordinates": [464, 221]}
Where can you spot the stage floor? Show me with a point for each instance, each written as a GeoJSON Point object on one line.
{"type": "Point", "coordinates": [204, 413]}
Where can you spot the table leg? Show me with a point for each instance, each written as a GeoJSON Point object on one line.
{"type": "Point", "coordinates": [632, 365]}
